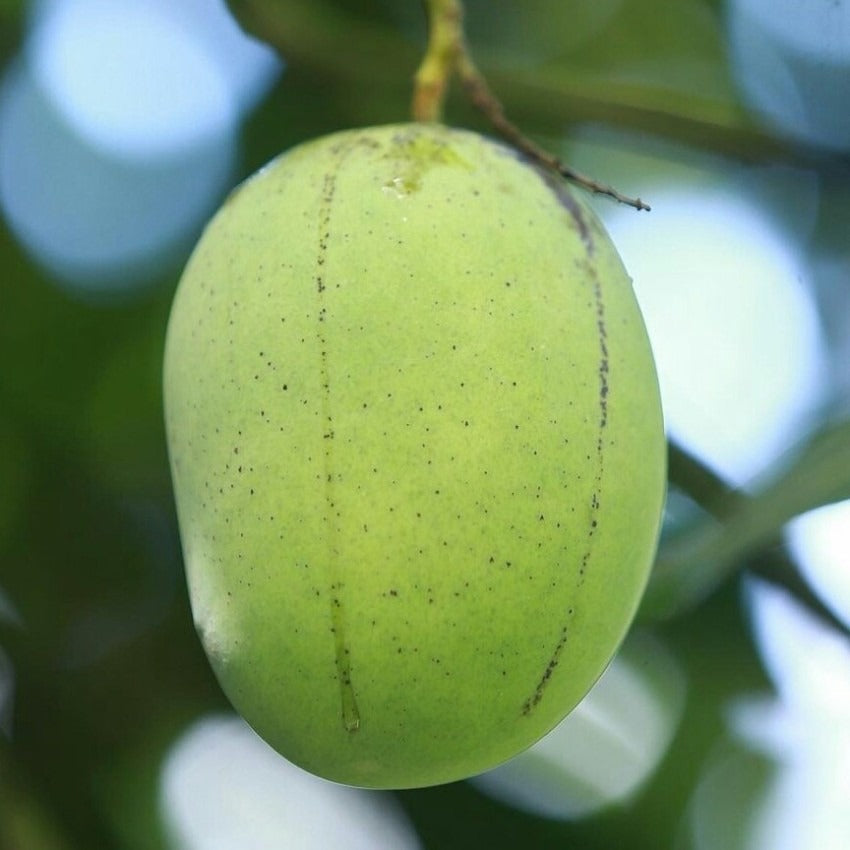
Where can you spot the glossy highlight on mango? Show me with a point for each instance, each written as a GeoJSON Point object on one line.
{"type": "Point", "coordinates": [417, 450]}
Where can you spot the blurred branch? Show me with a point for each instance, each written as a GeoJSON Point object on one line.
{"type": "Point", "coordinates": [692, 564]}
{"type": "Point", "coordinates": [773, 564]}
{"type": "Point", "coordinates": [698, 481]}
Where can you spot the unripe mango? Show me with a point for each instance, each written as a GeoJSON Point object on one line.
{"type": "Point", "coordinates": [417, 450]}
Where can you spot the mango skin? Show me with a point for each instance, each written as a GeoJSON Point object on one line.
{"type": "Point", "coordinates": [417, 451]}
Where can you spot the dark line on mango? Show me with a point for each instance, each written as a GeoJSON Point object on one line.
{"type": "Point", "coordinates": [595, 498]}
{"type": "Point", "coordinates": [565, 197]}
{"type": "Point", "coordinates": [555, 658]}
{"type": "Point", "coordinates": [342, 653]}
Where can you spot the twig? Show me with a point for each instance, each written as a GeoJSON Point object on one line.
{"type": "Point", "coordinates": [446, 54]}
{"type": "Point", "coordinates": [486, 102]}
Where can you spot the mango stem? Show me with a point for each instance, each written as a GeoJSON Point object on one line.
{"type": "Point", "coordinates": [445, 46]}
{"type": "Point", "coordinates": [446, 54]}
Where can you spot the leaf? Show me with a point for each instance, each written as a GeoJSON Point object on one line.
{"type": "Point", "coordinates": [696, 104]}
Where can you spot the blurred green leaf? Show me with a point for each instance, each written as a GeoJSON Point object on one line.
{"type": "Point", "coordinates": [25, 823]}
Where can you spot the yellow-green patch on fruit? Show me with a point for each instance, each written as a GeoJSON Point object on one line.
{"type": "Point", "coordinates": [417, 451]}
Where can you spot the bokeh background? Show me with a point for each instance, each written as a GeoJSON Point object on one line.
{"type": "Point", "coordinates": [724, 723]}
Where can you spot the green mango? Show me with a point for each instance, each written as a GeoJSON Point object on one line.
{"type": "Point", "coordinates": [417, 450]}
